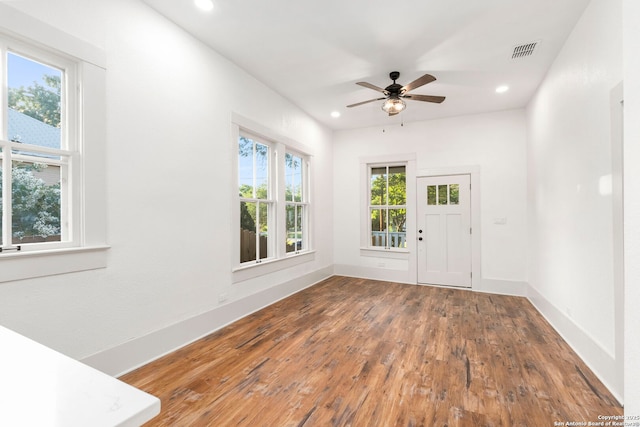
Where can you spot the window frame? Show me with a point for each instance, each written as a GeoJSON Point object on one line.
{"type": "Point", "coordinates": [70, 162]}
{"type": "Point", "coordinates": [386, 207]}
{"type": "Point", "coordinates": [304, 202]}
{"type": "Point", "coordinates": [280, 147]}
{"type": "Point", "coordinates": [89, 189]}
{"type": "Point", "coordinates": [270, 201]}
{"type": "Point", "coordinates": [366, 162]}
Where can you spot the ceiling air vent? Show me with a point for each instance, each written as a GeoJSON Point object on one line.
{"type": "Point", "coordinates": [524, 50]}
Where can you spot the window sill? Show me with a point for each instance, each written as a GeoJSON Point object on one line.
{"type": "Point", "coordinates": [250, 271]}
{"type": "Point", "coordinates": [31, 264]}
{"type": "Point", "coordinates": [385, 253]}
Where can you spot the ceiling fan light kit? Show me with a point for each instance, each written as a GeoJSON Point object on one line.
{"type": "Point", "coordinates": [393, 106]}
{"type": "Point", "coordinates": [393, 94]}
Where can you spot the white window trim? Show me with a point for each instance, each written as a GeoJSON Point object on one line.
{"type": "Point", "coordinates": [17, 24]}
{"type": "Point", "coordinates": [281, 145]}
{"type": "Point", "coordinates": [409, 160]}
{"type": "Point", "coordinates": [89, 189]}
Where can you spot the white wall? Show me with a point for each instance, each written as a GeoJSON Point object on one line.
{"type": "Point", "coordinates": [493, 142]}
{"type": "Point", "coordinates": [570, 204]}
{"type": "Point", "coordinates": [170, 101]}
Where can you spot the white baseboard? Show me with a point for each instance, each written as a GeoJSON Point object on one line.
{"type": "Point", "coordinates": [597, 358]}
{"type": "Point", "coordinates": [384, 274]}
{"type": "Point", "coordinates": [502, 287]}
{"type": "Point", "coordinates": [132, 354]}
{"type": "Point", "coordinates": [494, 286]}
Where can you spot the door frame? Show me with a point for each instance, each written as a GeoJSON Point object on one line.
{"type": "Point", "coordinates": [474, 172]}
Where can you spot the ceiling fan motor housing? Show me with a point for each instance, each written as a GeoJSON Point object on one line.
{"type": "Point", "coordinates": [394, 89]}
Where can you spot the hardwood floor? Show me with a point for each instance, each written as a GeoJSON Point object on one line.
{"type": "Point", "coordinates": [353, 352]}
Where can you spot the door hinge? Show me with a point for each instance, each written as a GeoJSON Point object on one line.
{"type": "Point", "coordinates": [470, 230]}
{"type": "Point", "coordinates": [471, 274]}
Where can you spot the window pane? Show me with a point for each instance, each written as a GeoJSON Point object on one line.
{"type": "Point", "coordinates": [293, 178]}
{"type": "Point", "coordinates": [248, 216]}
{"type": "Point", "coordinates": [295, 215]}
{"type": "Point", "coordinates": [245, 167]}
{"type": "Point", "coordinates": [431, 195]}
{"type": "Point", "coordinates": [379, 186]}
{"type": "Point", "coordinates": [263, 229]}
{"type": "Point", "coordinates": [378, 227]}
{"type": "Point", "coordinates": [253, 169]}
{"type": "Point", "coordinates": [291, 228]}
{"type": "Point", "coordinates": [262, 171]}
{"type": "Point", "coordinates": [454, 194]}
{"type": "Point", "coordinates": [397, 186]}
{"type": "Point", "coordinates": [34, 101]}
{"type": "Point", "coordinates": [247, 231]}
{"type": "Point", "coordinates": [288, 178]}
{"type": "Point", "coordinates": [300, 244]}
{"type": "Point", "coordinates": [442, 194]}
{"type": "Point", "coordinates": [35, 203]}
{"type": "Point", "coordinates": [397, 228]}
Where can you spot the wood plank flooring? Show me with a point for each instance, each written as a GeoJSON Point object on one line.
{"type": "Point", "coordinates": [354, 352]}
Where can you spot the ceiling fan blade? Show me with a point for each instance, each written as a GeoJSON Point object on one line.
{"type": "Point", "coordinates": [365, 102]}
{"type": "Point", "coordinates": [425, 98]}
{"type": "Point", "coordinates": [427, 78]}
{"type": "Point", "coordinates": [374, 87]}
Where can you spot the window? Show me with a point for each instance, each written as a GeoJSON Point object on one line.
{"type": "Point", "coordinates": [387, 206]}
{"type": "Point", "coordinates": [256, 203]}
{"type": "Point", "coordinates": [52, 150]}
{"type": "Point", "coordinates": [38, 149]}
{"type": "Point", "coordinates": [443, 194]}
{"type": "Point", "coordinates": [296, 202]}
{"type": "Point", "coordinates": [273, 200]}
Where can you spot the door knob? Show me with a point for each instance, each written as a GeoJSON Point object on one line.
{"type": "Point", "coordinates": [420, 238]}
{"type": "Point", "coordinates": [419, 231]}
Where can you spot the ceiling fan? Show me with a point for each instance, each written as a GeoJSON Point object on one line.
{"type": "Point", "coordinates": [394, 93]}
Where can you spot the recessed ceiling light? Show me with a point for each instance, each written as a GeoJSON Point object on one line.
{"type": "Point", "coordinates": [335, 114]}
{"type": "Point", "coordinates": [502, 89]}
{"type": "Point", "coordinates": [205, 5]}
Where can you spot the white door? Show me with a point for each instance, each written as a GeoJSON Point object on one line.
{"type": "Point", "coordinates": [444, 230]}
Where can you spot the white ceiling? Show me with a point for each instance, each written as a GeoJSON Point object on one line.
{"type": "Point", "coordinates": [313, 52]}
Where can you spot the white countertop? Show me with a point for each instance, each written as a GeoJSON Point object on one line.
{"type": "Point", "coordinates": [41, 387]}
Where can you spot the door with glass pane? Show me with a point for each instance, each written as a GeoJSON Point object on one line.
{"type": "Point", "coordinates": [444, 230]}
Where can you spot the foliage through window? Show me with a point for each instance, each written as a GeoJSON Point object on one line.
{"type": "Point", "coordinates": [388, 206]}
{"type": "Point", "coordinates": [37, 150]}
{"type": "Point", "coordinates": [443, 194]}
